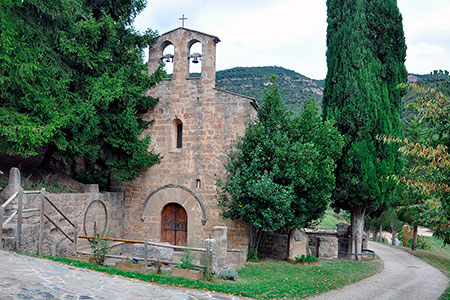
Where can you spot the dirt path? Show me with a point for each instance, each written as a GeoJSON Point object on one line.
{"type": "Point", "coordinates": [404, 277]}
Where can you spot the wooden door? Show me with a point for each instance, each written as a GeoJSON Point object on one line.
{"type": "Point", "coordinates": [174, 224]}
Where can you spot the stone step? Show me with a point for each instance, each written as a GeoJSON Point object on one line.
{"type": "Point", "coordinates": [9, 243]}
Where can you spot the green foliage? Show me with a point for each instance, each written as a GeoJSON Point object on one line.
{"type": "Point", "coordinates": [365, 56]}
{"type": "Point", "coordinates": [307, 258]}
{"type": "Point", "coordinates": [280, 173]}
{"type": "Point", "coordinates": [252, 255]}
{"type": "Point", "coordinates": [228, 274]}
{"type": "Point", "coordinates": [100, 249]}
{"type": "Point", "coordinates": [72, 81]}
{"type": "Point", "coordinates": [294, 88]}
{"type": "Point", "coordinates": [187, 262]}
{"type": "Point", "coordinates": [421, 243]}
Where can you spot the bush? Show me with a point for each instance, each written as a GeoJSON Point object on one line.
{"type": "Point", "coordinates": [228, 274]}
{"type": "Point", "coordinates": [421, 243]}
{"type": "Point", "coordinates": [187, 261]}
{"type": "Point", "coordinates": [100, 249]}
{"type": "Point", "coordinates": [252, 255]}
{"type": "Point", "coordinates": [307, 258]}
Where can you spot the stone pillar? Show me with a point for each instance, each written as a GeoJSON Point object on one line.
{"type": "Point", "coordinates": [91, 188]}
{"type": "Point", "coordinates": [13, 184]}
{"type": "Point", "coordinates": [298, 244]}
{"type": "Point", "coordinates": [220, 235]}
{"type": "Point", "coordinates": [212, 244]}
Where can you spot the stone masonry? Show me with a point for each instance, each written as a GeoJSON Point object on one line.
{"type": "Point", "coordinates": [211, 120]}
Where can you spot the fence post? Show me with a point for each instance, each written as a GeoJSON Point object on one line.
{"type": "Point", "coordinates": [146, 252]}
{"type": "Point", "coordinates": [75, 238]}
{"type": "Point", "coordinates": [208, 257]}
{"type": "Point", "coordinates": [2, 212]}
{"type": "Point", "coordinates": [19, 221]}
{"type": "Point", "coordinates": [41, 222]}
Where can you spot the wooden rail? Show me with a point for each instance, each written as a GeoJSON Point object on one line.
{"type": "Point", "coordinates": [10, 199]}
{"type": "Point", "coordinates": [19, 213]}
{"type": "Point", "coordinates": [142, 242]}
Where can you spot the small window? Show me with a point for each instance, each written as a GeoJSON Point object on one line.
{"type": "Point", "coordinates": [179, 135]}
{"type": "Point", "coordinates": [198, 184]}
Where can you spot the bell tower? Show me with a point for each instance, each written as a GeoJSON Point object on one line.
{"type": "Point", "coordinates": [182, 40]}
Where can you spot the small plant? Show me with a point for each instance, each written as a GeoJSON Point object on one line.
{"type": "Point", "coordinates": [158, 267]}
{"type": "Point", "coordinates": [187, 261]}
{"type": "Point", "coordinates": [252, 255]}
{"type": "Point", "coordinates": [207, 274]}
{"type": "Point", "coordinates": [100, 249]}
{"type": "Point", "coordinates": [228, 274]}
{"type": "Point", "coordinates": [307, 258]}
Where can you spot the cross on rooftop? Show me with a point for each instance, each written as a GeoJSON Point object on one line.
{"type": "Point", "coordinates": [182, 20]}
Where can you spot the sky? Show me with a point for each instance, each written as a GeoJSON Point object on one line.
{"type": "Point", "coordinates": [292, 33]}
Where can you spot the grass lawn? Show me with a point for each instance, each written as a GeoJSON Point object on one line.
{"type": "Point", "coordinates": [438, 256]}
{"type": "Point", "coordinates": [331, 219]}
{"type": "Point", "coordinates": [264, 280]}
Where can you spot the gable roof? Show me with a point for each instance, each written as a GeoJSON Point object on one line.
{"type": "Point", "coordinates": [215, 38]}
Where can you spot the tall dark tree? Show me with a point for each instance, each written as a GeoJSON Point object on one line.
{"type": "Point", "coordinates": [72, 81]}
{"type": "Point", "coordinates": [365, 57]}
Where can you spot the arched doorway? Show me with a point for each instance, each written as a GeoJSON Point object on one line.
{"type": "Point", "coordinates": [174, 224]}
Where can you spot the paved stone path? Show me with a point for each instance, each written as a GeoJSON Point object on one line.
{"type": "Point", "coordinates": [23, 277]}
{"type": "Point", "coordinates": [405, 277]}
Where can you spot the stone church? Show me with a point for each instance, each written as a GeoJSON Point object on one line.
{"type": "Point", "coordinates": [193, 126]}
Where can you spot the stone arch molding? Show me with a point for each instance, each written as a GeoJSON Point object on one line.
{"type": "Point", "coordinates": [161, 189]}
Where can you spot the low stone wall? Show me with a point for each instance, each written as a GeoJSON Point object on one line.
{"type": "Point", "coordinates": [275, 246]}
{"type": "Point", "coordinates": [75, 207]}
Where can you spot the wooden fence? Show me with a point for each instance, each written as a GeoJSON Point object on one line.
{"type": "Point", "coordinates": [146, 243]}
{"type": "Point", "coordinates": [19, 212]}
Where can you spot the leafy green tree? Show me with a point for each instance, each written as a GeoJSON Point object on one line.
{"type": "Point", "coordinates": [280, 173]}
{"type": "Point", "coordinates": [365, 57]}
{"type": "Point", "coordinates": [72, 82]}
{"type": "Point", "coordinates": [427, 177]}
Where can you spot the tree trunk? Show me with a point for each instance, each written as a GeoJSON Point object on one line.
{"type": "Point", "coordinates": [375, 235]}
{"type": "Point", "coordinates": [357, 220]}
{"type": "Point", "coordinates": [45, 163]}
{"type": "Point", "coordinates": [381, 234]}
{"type": "Point", "coordinates": [414, 241]}
{"type": "Point", "coordinates": [393, 233]}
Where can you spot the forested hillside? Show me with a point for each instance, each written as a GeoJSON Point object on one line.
{"type": "Point", "coordinates": [251, 81]}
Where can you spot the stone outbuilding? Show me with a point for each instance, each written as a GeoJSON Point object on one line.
{"type": "Point", "coordinates": [193, 126]}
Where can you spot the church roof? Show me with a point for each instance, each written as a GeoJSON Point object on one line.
{"type": "Point", "coordinates": [215, 38]}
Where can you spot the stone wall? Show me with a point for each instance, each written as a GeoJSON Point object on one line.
{"type": "Point", "coordinates": [74, 206]}
{"type": "Point", "coordinates": [275, 246]}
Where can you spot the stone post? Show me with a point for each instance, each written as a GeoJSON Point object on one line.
{"type": "Point", "coordinates": [213, 256]}
{"type": "Point", "coordinates": [19, 221]}
{"type": "Point", "coordinates": [220, 235]}
{"type": "Point", "coordinates": [2, 212]}
{"type": "Point", "coordinates": [41, 222]}
{"type": "Point", "coordinates": [13, 184]}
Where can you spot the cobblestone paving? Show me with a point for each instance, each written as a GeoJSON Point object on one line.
{"type": "Point", "coordinates": [23, 277]}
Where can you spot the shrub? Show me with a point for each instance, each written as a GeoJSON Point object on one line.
{"type": "Point", "coordinates": [421, 243]}
{"type": "Point", "coordinates": [228, 274]}
{"type": "Point", "coordinates": [187, 261]}
{"type": "Point", "coordinates": [100, 249]}
{"type": "Point", "coordinates": [252, 255]}
{"type": "Point", "coordinates": [307, 258]}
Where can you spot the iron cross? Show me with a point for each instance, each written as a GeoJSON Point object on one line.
{"type": "Point", "coordinates": [182, 20]}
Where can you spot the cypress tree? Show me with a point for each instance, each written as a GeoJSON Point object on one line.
{"type": "Point", "coordinates": [365, 56]}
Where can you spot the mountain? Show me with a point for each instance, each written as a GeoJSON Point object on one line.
{"type": "Point", "coordinates": [251, 81]}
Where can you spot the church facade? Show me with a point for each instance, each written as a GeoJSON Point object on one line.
{"type": "Point", "coordinates": [193, 126]}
